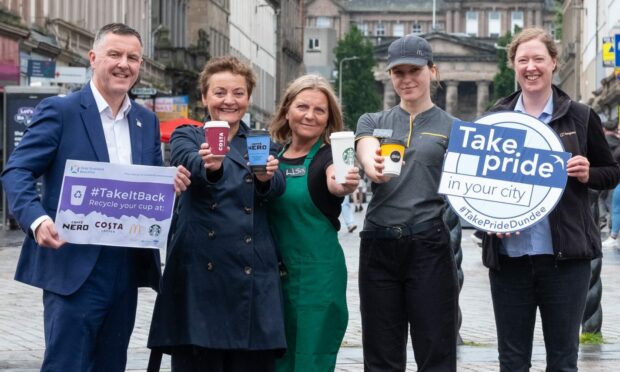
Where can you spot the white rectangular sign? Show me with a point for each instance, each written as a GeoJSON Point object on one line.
{"type": "Point", "coordinates": [115, 204]}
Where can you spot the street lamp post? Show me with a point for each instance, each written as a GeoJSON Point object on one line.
{"type": "Point", "coordinates": [497, 46]}
{"type": "Point", "coordinates": [340, 75]}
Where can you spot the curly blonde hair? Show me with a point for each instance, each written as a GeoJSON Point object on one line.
{"type": "Point", "coordinates": [226, 64]}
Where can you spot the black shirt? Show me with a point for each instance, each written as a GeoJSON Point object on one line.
{"type": "Point", "coordinates": [325, 201]}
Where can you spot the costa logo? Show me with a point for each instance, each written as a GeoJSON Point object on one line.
{"type": "Point", "coordinates": [108, 225]}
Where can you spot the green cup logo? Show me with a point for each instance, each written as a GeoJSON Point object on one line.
{"type": "Point", "coordinates": [348, 156]}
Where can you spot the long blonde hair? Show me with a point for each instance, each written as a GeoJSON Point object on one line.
{"type": "Point", "coordinates": [280, 130]}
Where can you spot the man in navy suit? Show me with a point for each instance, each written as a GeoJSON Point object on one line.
{"type": "Point", "coordinates": [89, 291]}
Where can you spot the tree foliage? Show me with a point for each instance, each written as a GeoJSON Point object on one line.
{"type": "Point", "coordinates": [558, 19]}
{"type": "Point", "coordinates": [359, 92]}
{"type": "Point", "coordinates": [504, 80]}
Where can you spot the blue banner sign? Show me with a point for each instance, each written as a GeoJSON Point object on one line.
{"type": "Point", "coordinates": [42, 69]}
{"type": "Point", "coordinates": [505, 172]}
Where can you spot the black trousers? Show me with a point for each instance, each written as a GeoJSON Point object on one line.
{"type": "Point", "coordinates": [412, 283]}
{"type": "Point", "coordinates": [198, 359]}
{"type": "Point", "coordinates": [558, 289]}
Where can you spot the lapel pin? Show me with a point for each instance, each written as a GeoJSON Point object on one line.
{"type": "Point", "coordinates": [139, 124]}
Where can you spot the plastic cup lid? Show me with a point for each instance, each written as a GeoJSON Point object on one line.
{"type": "Point", "coordinates": [217, 123]}
{"type": "Point", "coordinates": [346, 134]}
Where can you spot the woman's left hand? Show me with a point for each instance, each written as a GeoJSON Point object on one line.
{"type": "Point", "coordinates": [181, 180]}
{"type": "Point", "coordinates": [352, 181]}
{"type": "Point", "coordinates": [578, 166]}
{"type": "Point", "coordinates": [272, 167]}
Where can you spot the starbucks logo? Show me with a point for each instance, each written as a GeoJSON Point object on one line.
{"type": "Point", "coordinates": [154, 230]}
{"type": "Point", "coordinates": [348, 156]}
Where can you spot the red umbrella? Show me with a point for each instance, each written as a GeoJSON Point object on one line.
{"type": "Point", "coordinates": [167, 127]}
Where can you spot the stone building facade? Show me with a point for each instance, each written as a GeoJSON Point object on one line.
{"type": "Point", "coordinates": [462, 33]}
{"type": "Point", "coordinates": [212, 17]}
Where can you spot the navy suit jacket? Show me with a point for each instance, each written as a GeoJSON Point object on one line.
{"type": "Point", "coordinates": [70, 128]}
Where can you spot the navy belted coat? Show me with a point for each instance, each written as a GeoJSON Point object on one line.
{"type": "Point", "coordinates": [221, 286]}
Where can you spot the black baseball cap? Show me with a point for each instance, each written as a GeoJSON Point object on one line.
{"type": "Point", "coordinates": [409, 50]}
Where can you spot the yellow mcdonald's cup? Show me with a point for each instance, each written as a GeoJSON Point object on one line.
{"type": "Point", "coordinates": [393, 152]}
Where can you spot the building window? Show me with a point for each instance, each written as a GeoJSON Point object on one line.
{"type": "Point", "coordinates": [363, 27]}
{"type": "Point", "coordinates": [313, 44]}
{"type": "Point", "coordinates": [398, 30]}
{"type": "Point", "coordinates": [380, 30]}
{"type": "Point", "coordinates": [416, 28]}
{"type": "Point", "coordinates": [471, 23]}
{"type": "Point", "coordinates": [516, 19]}
{"type": "Point", "coordinates": [495, 24]}
{"type": "Point", "coordinates": [323, 22]}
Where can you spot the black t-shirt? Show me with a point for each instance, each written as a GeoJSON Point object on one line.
{"type": "Point", "coordinates": [325, 201]}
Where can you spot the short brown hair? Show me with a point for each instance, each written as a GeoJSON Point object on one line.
{"type": "Point", "coordinates": [227, 64]}
{"type": "Point", "coordinates": [528, 34]}
{"type": "Point", "coordinates": [117, 29]}
{"type": "Point", "coordinates": [280, 130]}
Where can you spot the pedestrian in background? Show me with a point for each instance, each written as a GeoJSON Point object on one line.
{"type": "Point", "coordinates": [220, 305]}
{"type": "Point", "coordinates": [407, 272]}
{"type": "Point", "coordinates": [610, 129]}
{"type": "Point", "coordinates": [90, 292]}
{"type": "Point", "coordinates": [547, 266]}
{"type": "Point", "coordinates": [347, 214]}
{"type": "Point", "coordinates": [305, 225]}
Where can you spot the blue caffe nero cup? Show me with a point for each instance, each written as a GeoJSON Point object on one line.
{"type": "Point", "coordinates": [258, 150]}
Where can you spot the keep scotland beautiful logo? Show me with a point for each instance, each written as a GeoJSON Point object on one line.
{"type": "Point", "coordinates": [505, 172]}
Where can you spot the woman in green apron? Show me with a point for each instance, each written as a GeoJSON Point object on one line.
{"type": "Point", "coordinates": [305, 226]}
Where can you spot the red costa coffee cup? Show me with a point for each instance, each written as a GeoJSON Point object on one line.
{"type": "Point", "coordinates": [216, 135]}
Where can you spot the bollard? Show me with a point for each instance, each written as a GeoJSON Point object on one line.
{"type": "Point", "coordinates": [454, 226]}
{"type": "Point", "coordinates": [592, 320]}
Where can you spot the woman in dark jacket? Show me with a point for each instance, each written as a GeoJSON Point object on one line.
{"type": "Point", "coordinates": [547, 266]}
{"type": "Point", "coordinates": [220, 305]}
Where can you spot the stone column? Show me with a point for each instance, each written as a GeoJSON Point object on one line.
{"type": "Point", "coordinates": [457, 21]}
{"type": "Point", "coordinates": [483, 96]}
{"type": "Point", "coordinates": [452, 96]}
{"type": "Point", "coordinates": [529, 21]}
{"type": "Point", "coordinates": [449, 28]}
{"type": "Point", "coordinates": [389, 96]}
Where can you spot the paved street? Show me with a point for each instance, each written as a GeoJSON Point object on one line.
{"type": "Point", "coordinates": [21, 319]}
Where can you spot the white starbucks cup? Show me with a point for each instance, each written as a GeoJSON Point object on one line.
{"type": "Point", "coordinates": [343, 154]}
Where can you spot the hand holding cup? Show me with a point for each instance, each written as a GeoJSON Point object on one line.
{"type": "Point", "coordinates": [270, 170]}
{"type": "Point", "coordinates": [211, 161]}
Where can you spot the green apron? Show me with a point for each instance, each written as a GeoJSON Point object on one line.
{"type": "Point", "coordinates": [315, 282]}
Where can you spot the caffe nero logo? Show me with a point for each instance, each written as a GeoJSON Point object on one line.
{"type": "Point", "coordinates": [395, 156]}
{"type": "Point", "coordinates": [349, 156]}
{"type": "Point", "coordinates": [258, 146]}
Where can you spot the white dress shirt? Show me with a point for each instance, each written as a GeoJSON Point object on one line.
{"type": "Point", "coordinates": [115, 129]}
{"type": "Point", "coordinates": [116, 132]}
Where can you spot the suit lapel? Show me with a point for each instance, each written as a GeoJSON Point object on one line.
{"type": "Point", "coordinates": [135, 135]}
{"type": "Point", "coordinates": [92, 122]}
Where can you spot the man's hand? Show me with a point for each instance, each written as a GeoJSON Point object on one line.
{"type": "Point", "coordinates": [181, 180]}
{"type": "Point", "coordinates": [47, 236]}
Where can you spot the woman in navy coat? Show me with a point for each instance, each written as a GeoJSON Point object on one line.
{"type": "Point", "coordinates": [220, 305]}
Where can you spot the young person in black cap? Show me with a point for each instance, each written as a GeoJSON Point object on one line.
{"type": "Point", "coordinates": [407, 273]}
